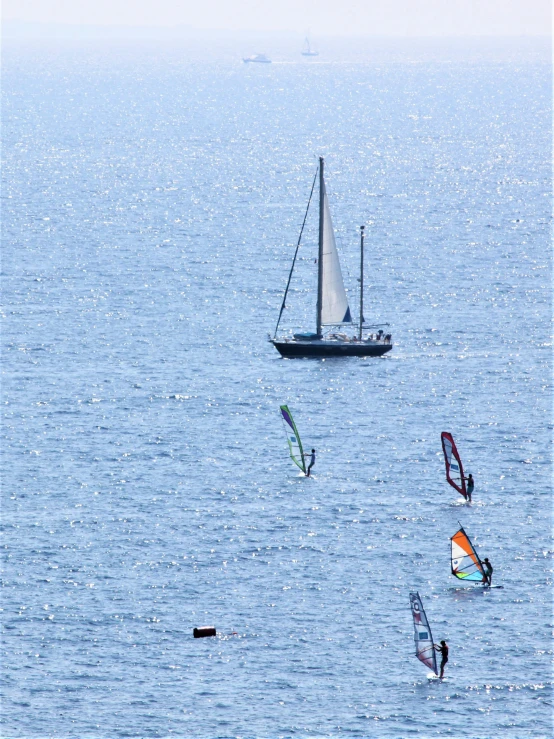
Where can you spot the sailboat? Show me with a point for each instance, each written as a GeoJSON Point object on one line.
{"type": "Point", "coordinates": [307, 49]}
{"type": "Point", "coordinates": [332, 309]}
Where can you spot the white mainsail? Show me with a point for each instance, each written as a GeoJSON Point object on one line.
{"type": "Point", "coordinates": [334, 308]}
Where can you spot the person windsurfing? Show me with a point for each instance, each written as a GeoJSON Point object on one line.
{"type": "Point", "coordinates": [443, 651]}
{"type": "Point", "coordinates": [487, 577]}
{"type": "Point", "coordinates": [311, 455]}
{"type": "Point", "coordinates": [470, 485]}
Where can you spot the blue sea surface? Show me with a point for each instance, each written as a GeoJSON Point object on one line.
{"type": "Point", "coordinates": [151, 205]}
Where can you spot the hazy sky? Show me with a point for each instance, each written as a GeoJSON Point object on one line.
{"type": "Point", "coordinates": [322, 17]}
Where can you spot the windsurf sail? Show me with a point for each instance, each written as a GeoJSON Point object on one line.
{"type": "Point", "coordinates": [465, 561]}
{"type": "Point", "coordinates": [454, 468]}
{"type": "Point", "coordinates": [293, 438]}
{"type": "Point", "coordinates": [425, 648]}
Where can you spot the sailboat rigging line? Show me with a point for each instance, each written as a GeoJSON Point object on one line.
{"type": "Point", "coordinates": [362, 229]}
{"type": "Point", "coordinates": [320, 240]}
{"type": "Point", "coordinates": [295, 254]}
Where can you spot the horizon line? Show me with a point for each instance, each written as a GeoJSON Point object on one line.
{"type": "Point", "coordinates": [282, 31]}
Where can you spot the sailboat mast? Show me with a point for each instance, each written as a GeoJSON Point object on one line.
{"type": "Point", "coordinates": [320, 248]}
{"type": "Point", "coordinates": [361, 279]}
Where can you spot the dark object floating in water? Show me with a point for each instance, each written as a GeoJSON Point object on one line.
{"type": "Point", "coordinates": [204, 631]}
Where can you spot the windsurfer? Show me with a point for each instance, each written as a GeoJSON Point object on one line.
{"type": "Point", "coordinates": [311, 455]}
{"type": "Point", "coordinates": [487, 577]}
{"type": "Point", "coordinates": [470, 485]}
{"type": "Point", "coordinates": [443, 650]}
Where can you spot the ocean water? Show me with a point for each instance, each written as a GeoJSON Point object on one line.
{"type": "Point", "coordinates": [151, 205]}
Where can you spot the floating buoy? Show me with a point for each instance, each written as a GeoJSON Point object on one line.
{"type": "Point", "coordinates": [204, 631]}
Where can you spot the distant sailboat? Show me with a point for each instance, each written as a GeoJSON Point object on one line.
{"type": "Point", "coordinates": [332, 304]}
{"type": "Point", "coordinates": [307, 48]}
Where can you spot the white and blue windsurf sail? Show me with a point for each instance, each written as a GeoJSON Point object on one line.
{"type": "Point", "coordinates": [293, 438]}
{"type": "Point", "coordinates": [425, 648]}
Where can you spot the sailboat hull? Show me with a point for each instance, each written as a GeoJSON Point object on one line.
{"type": "Point", "coordinates": [293, 349]}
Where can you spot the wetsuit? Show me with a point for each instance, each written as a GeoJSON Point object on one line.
{"type": "Point", "coordinates": [488, 571]}
{"type": "Point", "coordinates": [444, 657]}
{"type": "Point", "coordinates": [470, 486]}
{"type": "Point", "coordinates": [312, 462]}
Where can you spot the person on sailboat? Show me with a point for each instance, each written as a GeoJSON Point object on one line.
{"type": "Point", "coordinates": [470, 485]}
{"type": "Point", "coordinates": [487, 577]}
{"type": "Point", "coordinates": [312, 460]}
{"type": "Point", "coordinates": [443, 651]}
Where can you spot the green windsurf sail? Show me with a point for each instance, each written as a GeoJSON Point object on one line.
{"type": "Point", "coordinates": [293, 438]}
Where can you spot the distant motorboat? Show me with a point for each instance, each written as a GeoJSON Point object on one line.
{"type": "Point", "coordinates": [307, 49]}
{"type": "Point", "coordinates": [259, 58]}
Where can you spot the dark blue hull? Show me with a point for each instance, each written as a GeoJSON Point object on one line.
{"type": "Point", "coordinates": [331, 348]}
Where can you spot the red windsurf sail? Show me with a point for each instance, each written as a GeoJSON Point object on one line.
{"type": "Point", "coordinates": [454, 468]}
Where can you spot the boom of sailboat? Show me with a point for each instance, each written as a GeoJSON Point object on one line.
{"type": "Point", "coordinates": [332, 309]}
